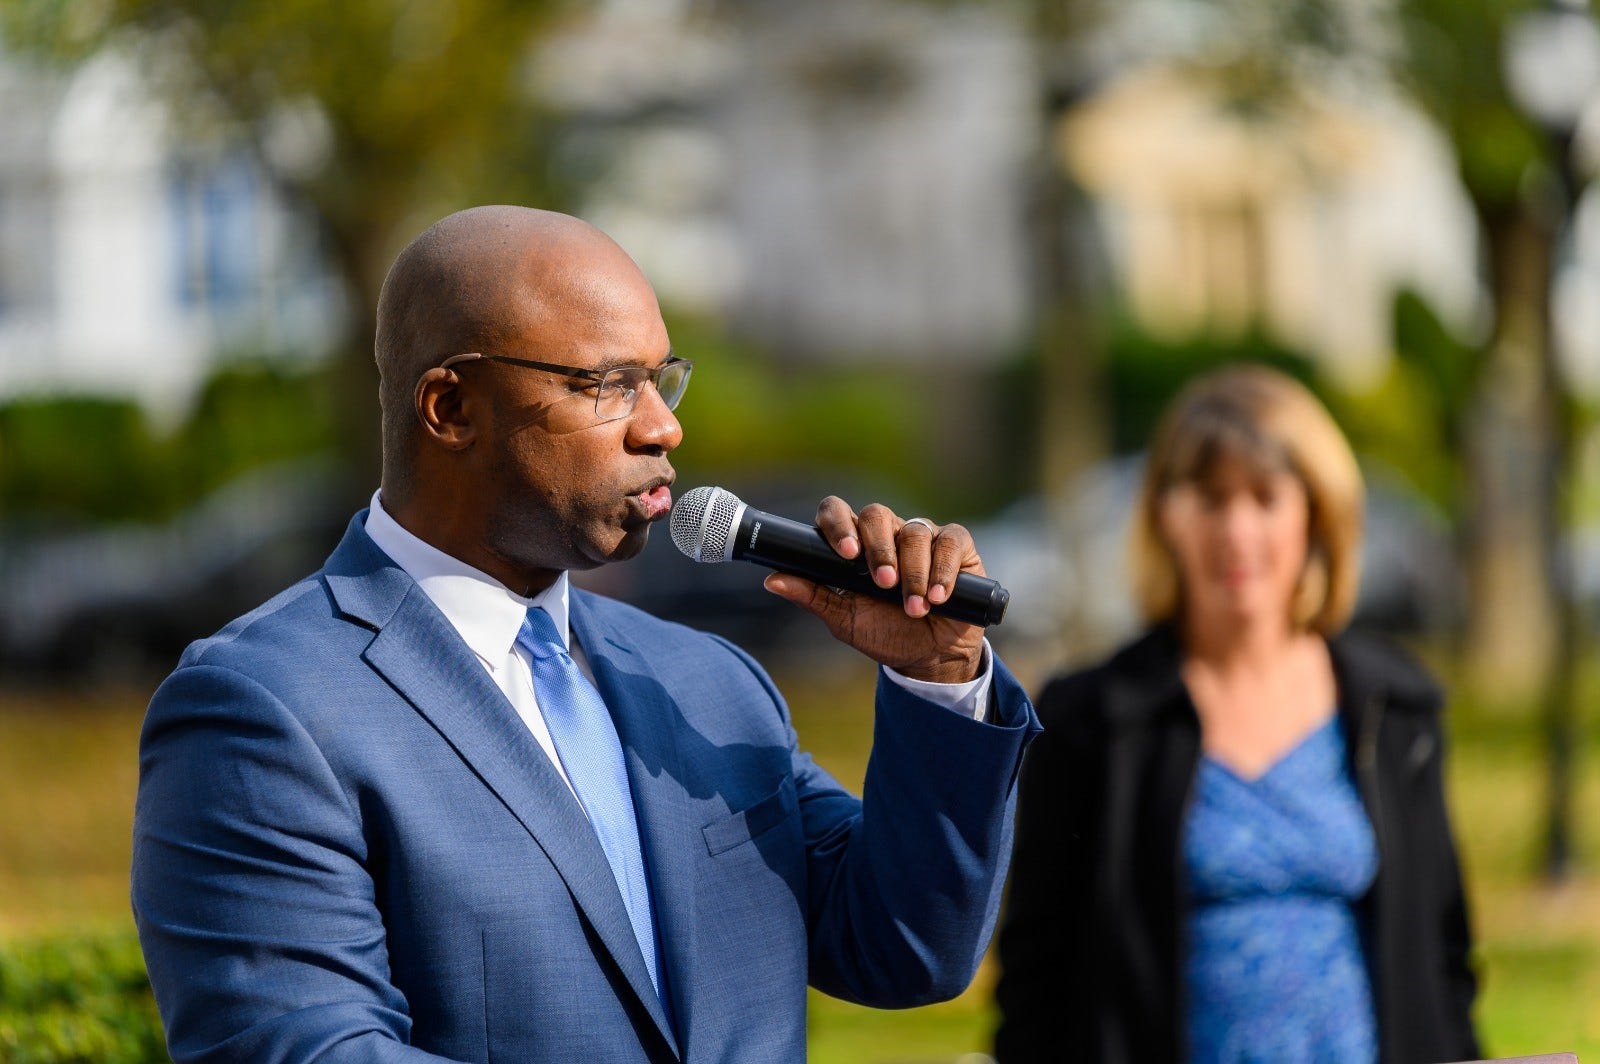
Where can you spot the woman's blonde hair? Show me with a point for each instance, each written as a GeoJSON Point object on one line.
{"type": "Point", "coordinates": [1271, 423]}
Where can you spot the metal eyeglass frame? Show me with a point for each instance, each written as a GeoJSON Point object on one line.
{"type": "Point", "coordinates": [598, 376]}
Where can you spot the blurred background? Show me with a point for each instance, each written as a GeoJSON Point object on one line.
{"type": "Point", "coordinates": [951, 255]}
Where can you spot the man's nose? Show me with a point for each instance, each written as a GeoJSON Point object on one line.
{"type": "Point", "coordinates": [652, 426]}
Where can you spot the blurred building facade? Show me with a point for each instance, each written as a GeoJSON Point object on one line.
{"type": "Point", "coordinates": [133, 253]}
{"type": "Point", "coordinates": [1304, 223]}
{"type": "Point", "coordinates": [835, 179]}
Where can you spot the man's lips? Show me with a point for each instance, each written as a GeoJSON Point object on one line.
{"type": "Point", "coordinates": [654, 498]}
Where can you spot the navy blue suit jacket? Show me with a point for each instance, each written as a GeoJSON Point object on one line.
{"type": "Point", "coordinates": [348, 847]}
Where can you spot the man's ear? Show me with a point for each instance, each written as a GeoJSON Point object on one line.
{"type": "Point", "coordinates": [444, 410]}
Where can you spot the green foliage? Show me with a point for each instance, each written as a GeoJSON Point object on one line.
{"type": "Point", "coordinates": [376, 116]}
{"type": "Point", "coordinates": [100, 460]}
{"type": "Point", "coordinates": [94, 458]}
{"type": "Point", "coordinates": [745, 415]}
{"type": "Point", "coordinates": [78, 999]}
{"type": "Point", "coordinates": [1399, 423]}
{"type": "Point", "coordinates": [418, 100]}
{"type": "Point", "coordinates": [1144, 373]}
{"type": "Point", "coordinates": [1449, 61]}
{"type": "Point", "coordinates": [1453, 67]}
{"type": "Point", "coordinates": [1447, 366]}
{"type": "Point", "coordinates": [249, 414]}
{"type": "Point", "coordinates": [1413, 422]}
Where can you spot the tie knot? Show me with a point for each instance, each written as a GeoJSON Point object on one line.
{"type": "Point", "coordinates": [539, 636]}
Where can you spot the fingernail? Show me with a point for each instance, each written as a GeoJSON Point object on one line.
{"type": "Point", "coordinates": [849, 547]}
{"type": "Point", "coordinates": [884, 575]}
{"type": "Point", "coordinates": [936, 593]}
{"type": "Point", "coordinates": [916, 606]}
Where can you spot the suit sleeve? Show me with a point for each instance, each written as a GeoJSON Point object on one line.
{"type": "Point", "coordinates": [1039, 993]}
{"type": "Point", "coordinates": [254, 907]}
{"type": "Point", "coordinates": [903, 884]}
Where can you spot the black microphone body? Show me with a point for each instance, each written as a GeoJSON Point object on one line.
{"type": "Point", "coordinates": [801, 549]}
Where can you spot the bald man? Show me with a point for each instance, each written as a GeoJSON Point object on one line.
{"type": "Point", "coordinates": [432, 803]}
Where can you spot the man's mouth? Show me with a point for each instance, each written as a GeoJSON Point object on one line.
{"type": "Point", "coordinates": [654, 499]}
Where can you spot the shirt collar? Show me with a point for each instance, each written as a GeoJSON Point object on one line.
{"type": "Point", "coordinates": [486, 612]}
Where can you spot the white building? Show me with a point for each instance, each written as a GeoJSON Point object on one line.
{"type": "Point", "coordinates": [1305, 223]}
{"type": "Point", "coordinates": [843, 178]}
{"type": "Point", "coordinates": [837, 179]}
{"type": "Point", "coordinates": [132, 258]}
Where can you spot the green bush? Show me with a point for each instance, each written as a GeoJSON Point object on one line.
{"type": "Point", "coordinates": [81, 459]}
{"type": "Point", "coordinates": [78, 457]}
{"type": "Point", "coordinates": [747, 414]}
{"type": "Point", "coordinates": [1410, 422]}
{"type": "Point", "coordinates": [1144, 373]}
{"type": "Point", "coordinates": [250, 414]}
{"type": "Point", "coordinates": [77, 999]}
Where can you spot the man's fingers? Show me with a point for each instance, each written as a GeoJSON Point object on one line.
{"type": "Point", "coordinates": [923, 558]}
{"type": "Point", "coordinates": [915, 540]}
{"type": "Point", "coordinates": [838, 525]}
{"type": "Point", "coordinates": [951, 552]}
{"type": "Point", "coordinates": [878, 525]}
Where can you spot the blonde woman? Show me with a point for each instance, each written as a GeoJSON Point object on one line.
{"type": "Point", "coordinates": [1232, 837]}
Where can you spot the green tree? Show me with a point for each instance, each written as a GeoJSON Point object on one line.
{"type": "Point", "coordinates": [376, 115]}
{"type": "Point", "coordinates": [1516, 450]}
{"type": "Point", "coordinates": [1447, 55]}
{"type": "Point", "coordinates": [1504, 402]}
{"type": "Point", "coordinates": [1525, 635]}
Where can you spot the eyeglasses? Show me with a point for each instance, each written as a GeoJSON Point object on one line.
{"type": "Point", "coordinates": [616, 391]}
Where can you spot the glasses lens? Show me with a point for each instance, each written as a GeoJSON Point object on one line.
{"type": "Point", "coordinates": [672, 382]}
{"type": "Point", "coordinates": [619, 390]}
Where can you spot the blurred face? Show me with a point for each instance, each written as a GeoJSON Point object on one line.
{"type": "Point", "coordinates": [560, 488]}
{"type": "Point", "coordinates": [1239, 538]}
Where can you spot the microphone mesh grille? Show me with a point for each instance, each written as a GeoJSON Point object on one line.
{"type": "Point", "coordinates": [702, 521]}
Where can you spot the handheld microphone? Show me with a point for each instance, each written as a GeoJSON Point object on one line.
{"type": "Point", "coordinates": [712, 525]}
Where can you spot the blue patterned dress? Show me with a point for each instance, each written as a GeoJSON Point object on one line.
{"type": "Point", "coordinates": [1274, 969]}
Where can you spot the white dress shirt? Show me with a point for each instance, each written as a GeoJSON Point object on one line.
{"type": "Point", "coordinates": [488, 615]}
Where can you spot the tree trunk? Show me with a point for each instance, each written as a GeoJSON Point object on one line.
{"type": "Point", "coordinates": [358, 251]}
{"type": "Point", "coordinates": [1074, 429]}
{"type": "Point", "coordinates": [1515, 613]}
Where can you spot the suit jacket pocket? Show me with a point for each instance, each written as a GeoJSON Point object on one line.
{"type": "Point", "coordinates": [723, 835]}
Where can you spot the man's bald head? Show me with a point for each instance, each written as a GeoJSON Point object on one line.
{"type": "Point", "coordinates": [486, 279]}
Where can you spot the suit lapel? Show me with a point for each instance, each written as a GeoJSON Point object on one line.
{"type": "Point", "coordinates": [418, 652]}
{"type": "Point", "coordinates": [645, 716]}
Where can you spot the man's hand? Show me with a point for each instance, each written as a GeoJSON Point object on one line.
{"type": "Point", "coordinates": [923, 559]}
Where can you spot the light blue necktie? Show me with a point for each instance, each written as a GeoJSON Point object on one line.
{"type": "Point", "coordinates": [591, 753]}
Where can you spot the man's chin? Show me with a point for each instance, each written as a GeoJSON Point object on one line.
{"type": "Point", "coordinates": [632, 543]}
{"type": "Point", "coordinates": [628, 546]}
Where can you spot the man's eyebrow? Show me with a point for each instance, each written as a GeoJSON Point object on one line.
{"type": "Point", "coordinates": [621, 363]}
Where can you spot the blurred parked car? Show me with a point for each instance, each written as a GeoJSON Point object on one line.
{"type": "Point", "coordinates": [123, 601]}
{"type": "Point", "coordinates": [126, 599]}
{"type": "Point", "coordinates": [1067, 567]}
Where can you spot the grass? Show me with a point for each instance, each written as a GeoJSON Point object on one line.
{"type": "Point", "coordinates": [68, 771]}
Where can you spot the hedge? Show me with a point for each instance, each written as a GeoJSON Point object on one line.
{"type": "Point", "coordinates": [77, 999]}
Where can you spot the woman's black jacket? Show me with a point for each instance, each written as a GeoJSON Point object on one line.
{"type": "Point", "coordinates": [1092, 939]}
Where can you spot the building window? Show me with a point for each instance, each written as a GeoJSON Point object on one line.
{"type": "Point", "coordinates": [216, 232]}
{"type": "Point", "coordinates": [27, 259]}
